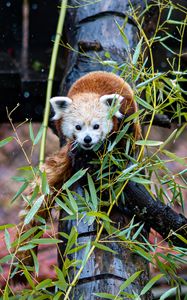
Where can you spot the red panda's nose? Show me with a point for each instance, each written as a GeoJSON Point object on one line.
{"type": "Point", "coordinates": [87, 139]}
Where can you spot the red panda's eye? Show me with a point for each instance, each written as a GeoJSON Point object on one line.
{"type": "Point", "coordinates": [78, 127]}
{"type": "Point", "coordinates": [96, 126]}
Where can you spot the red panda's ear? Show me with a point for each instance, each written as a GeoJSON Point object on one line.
{"type": "Point", "coordinates": [59, 104]}
{"type": "Point", "coordinates": [115, 101]}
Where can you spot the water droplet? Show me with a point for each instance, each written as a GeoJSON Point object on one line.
{"type": "Point", "coordinates": [26, 94]}
{"type": "Point", "coordinates": [34, 6]}
{"type": "Point", "coordinates": [8, 4]}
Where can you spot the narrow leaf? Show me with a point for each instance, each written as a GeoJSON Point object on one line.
{"type": "Point", "coordinates": [74, 178]}
{"type": "Point", "coordinates": [36, 206]}
{"type": "Point", "coordinates": [7, 239]}
{"type": "Point", "coordinates": [31, 133]}
{"type": "Point", "coordinates": [92, 192]}
{"type": "Point", "coordinates": [86, 252]}
{"type": "Point", "coordinates": [38, 136]}
{"type": "Point", "coordinates": [129, 280]}
{"type": "Point", "coordinates": [20, 191]}
{"type": "Point", "coordinates": [137, 52]}
{"type": "Point", "coordinates": [151, 282]}
{"type": "Point", "coordinates": [170, 292]}
{"type": "Point", "coordinates": [6, 141]}
{"type": "Point", "coordinates": [63, 206]}
{"type": "Point", "coordinates": [149, 143]}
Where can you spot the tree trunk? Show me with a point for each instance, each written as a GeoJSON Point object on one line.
{"type": "Point", "coordinates": [91, 29]}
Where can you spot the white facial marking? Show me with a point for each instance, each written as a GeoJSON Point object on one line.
{"type": "Point", "coordinates": [59, 104]}
{"type": "Point", "coordinates": [86, 120]}
{"type": "Point", "coordinates": [116, 102]}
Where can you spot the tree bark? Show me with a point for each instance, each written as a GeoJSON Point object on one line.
{"type": "Point", "coordinates": [91, 31]}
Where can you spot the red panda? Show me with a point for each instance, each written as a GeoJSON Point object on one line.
{"type": "Point", "coordinates": [95, 106]}
{"type": "Point", "coordinates": [83, 116]}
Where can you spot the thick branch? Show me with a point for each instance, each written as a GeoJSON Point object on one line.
{"type": "Point", "coordinates": [155, 214]}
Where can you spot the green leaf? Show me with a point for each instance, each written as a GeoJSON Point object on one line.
{"type": "Point", "coordinates": [6, 141]}
{"type": "Point", "coordinates": [119, 137]}
{"type": "Point", "coordinates": [44, 284]}
{"type": "Point", "coordinates": [36, 206]}
{"type": "Point", "coordinates": [134, 115]}
{"type": "Point", "coordinates": [129, 280]}
{"type": "Point", "coordinates": [100, 215]}
{"type": "Point", "coordinates": [141, 180]}
{"type": "Point", "coordinates": [61, 283]}
{"type": "Point", "coordinates": [31, 133]}
{"type": "Point", "coordinates": [103, 247]}
{"type": "Point", "coordinates": [143, 103]}
{"type": "Point", "coordinates": [72, 201]}
{"type": "Point", "coordinates": [151, 282]}
{"type": "Point", "coordinates": [121, 29]}
{"type": "Point", "coordinates": [28, 277]}
{"type": "Point", "coordinates": [149, 143]}
{"type": "Point", "coordinates": [63, 206]}
{"type": "Point", "coordinates": [45, 241]}
{"type": "Point", "coordinates": [72, 239]}
{"type": "Point", "coordinates": [3, 227]}
{"type": "Point", "coordinates": [92, 192]}
{"type": "Point", "coordinates": [7, 239]}
{"type": "Point", "coordinates": [137, 52]}
{"type": "Point", "coordinates": [149, 80]}
{"type": "Point", "coordinates": [86, 252]}
{"type": "Point", "coordinates": [174, 157]}
{"type": "Point", "coordinates": [106, 296]}
{"type": "Point", "coordinates": [20, 191]}
{"type": "Point", "coordinates": [38, 136]}
{"type": "Point", "coordinates": [35, 260]}
{"type": "Point", "coordinates": [45, 186]}
{"type": "Point", "coordinates": [6, 259]}
{"type": "Point", "coordinates": [74, 178]}
{"type": "Point", "coordinates": [170, 292]}
{"type": "Point", "coordinates": [169, 139]}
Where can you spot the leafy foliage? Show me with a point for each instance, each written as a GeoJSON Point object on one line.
{"type": "Point", "coordinates": [155, 92]}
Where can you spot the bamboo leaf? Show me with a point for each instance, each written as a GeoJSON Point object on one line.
{"type": "Point", "coordinates": [35, 260]}
{"type": "Point", "coordinates": [107, 296]}
{"type": "Point", "coordinates": [149, 80]}
{"type": "Point", "coordinates": [44, 284]}
{"type": "Point", "coordinates": [45, 241]}
{"type": "Point", "coordinates": [72, 201]}
{"type": "Point", "coordinates": [149, 143]}
{"type": "Point", "coordinates": [103, 247]}
{"type": "Point", "coordinates": [6, 141]}
{"type": "Point", "coordinates": [170, 292]}
{"type": "Point", "coordinates": [20, 191]}
{"type": "Point", "coordinates": [74, 178]}
{"type": "Point", "coordinates": [143, 103]}
{"type": "Point", "coordinates": [134, 115]}
{"type": "Point", "coordinates": [149, 285]}
{"type": "Point", "coordinates": [137, 52]}
{"type": "Point", "coordinates": [45, 186]}
{"type": "Point", "coordinates": [92, 192]}
{"type": "Point", "coordinates": [130, 280]}
{"type": "Point", "coordinates": [38, 136]}
{"type": "Point", "coordinates": [5, 226]}
{"type": "Point", "coordinates": [86, 252]}
{"type": "Point", "coordinates": [7, 239]}
{"type": "Point", "coordinates": [31, 133]}
{"type": "Point", "coordinates": [63, 206]}
{"type": "Point", "coordinates": [34, 209]}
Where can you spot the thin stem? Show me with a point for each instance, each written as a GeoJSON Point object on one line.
{"type": "Point", "coordinates": [51, 78]}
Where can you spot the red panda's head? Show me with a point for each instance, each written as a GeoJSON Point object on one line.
{"type": "Point", "coordinates": [87, 119]}
{"type": "Point", "coordinates": [94, 107]}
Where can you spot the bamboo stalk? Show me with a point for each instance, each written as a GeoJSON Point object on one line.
{"type": "Point", "coordinates": [51, 78]}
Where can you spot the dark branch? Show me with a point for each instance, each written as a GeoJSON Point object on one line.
{"type": "Point", "coordinates": [155, 214]}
